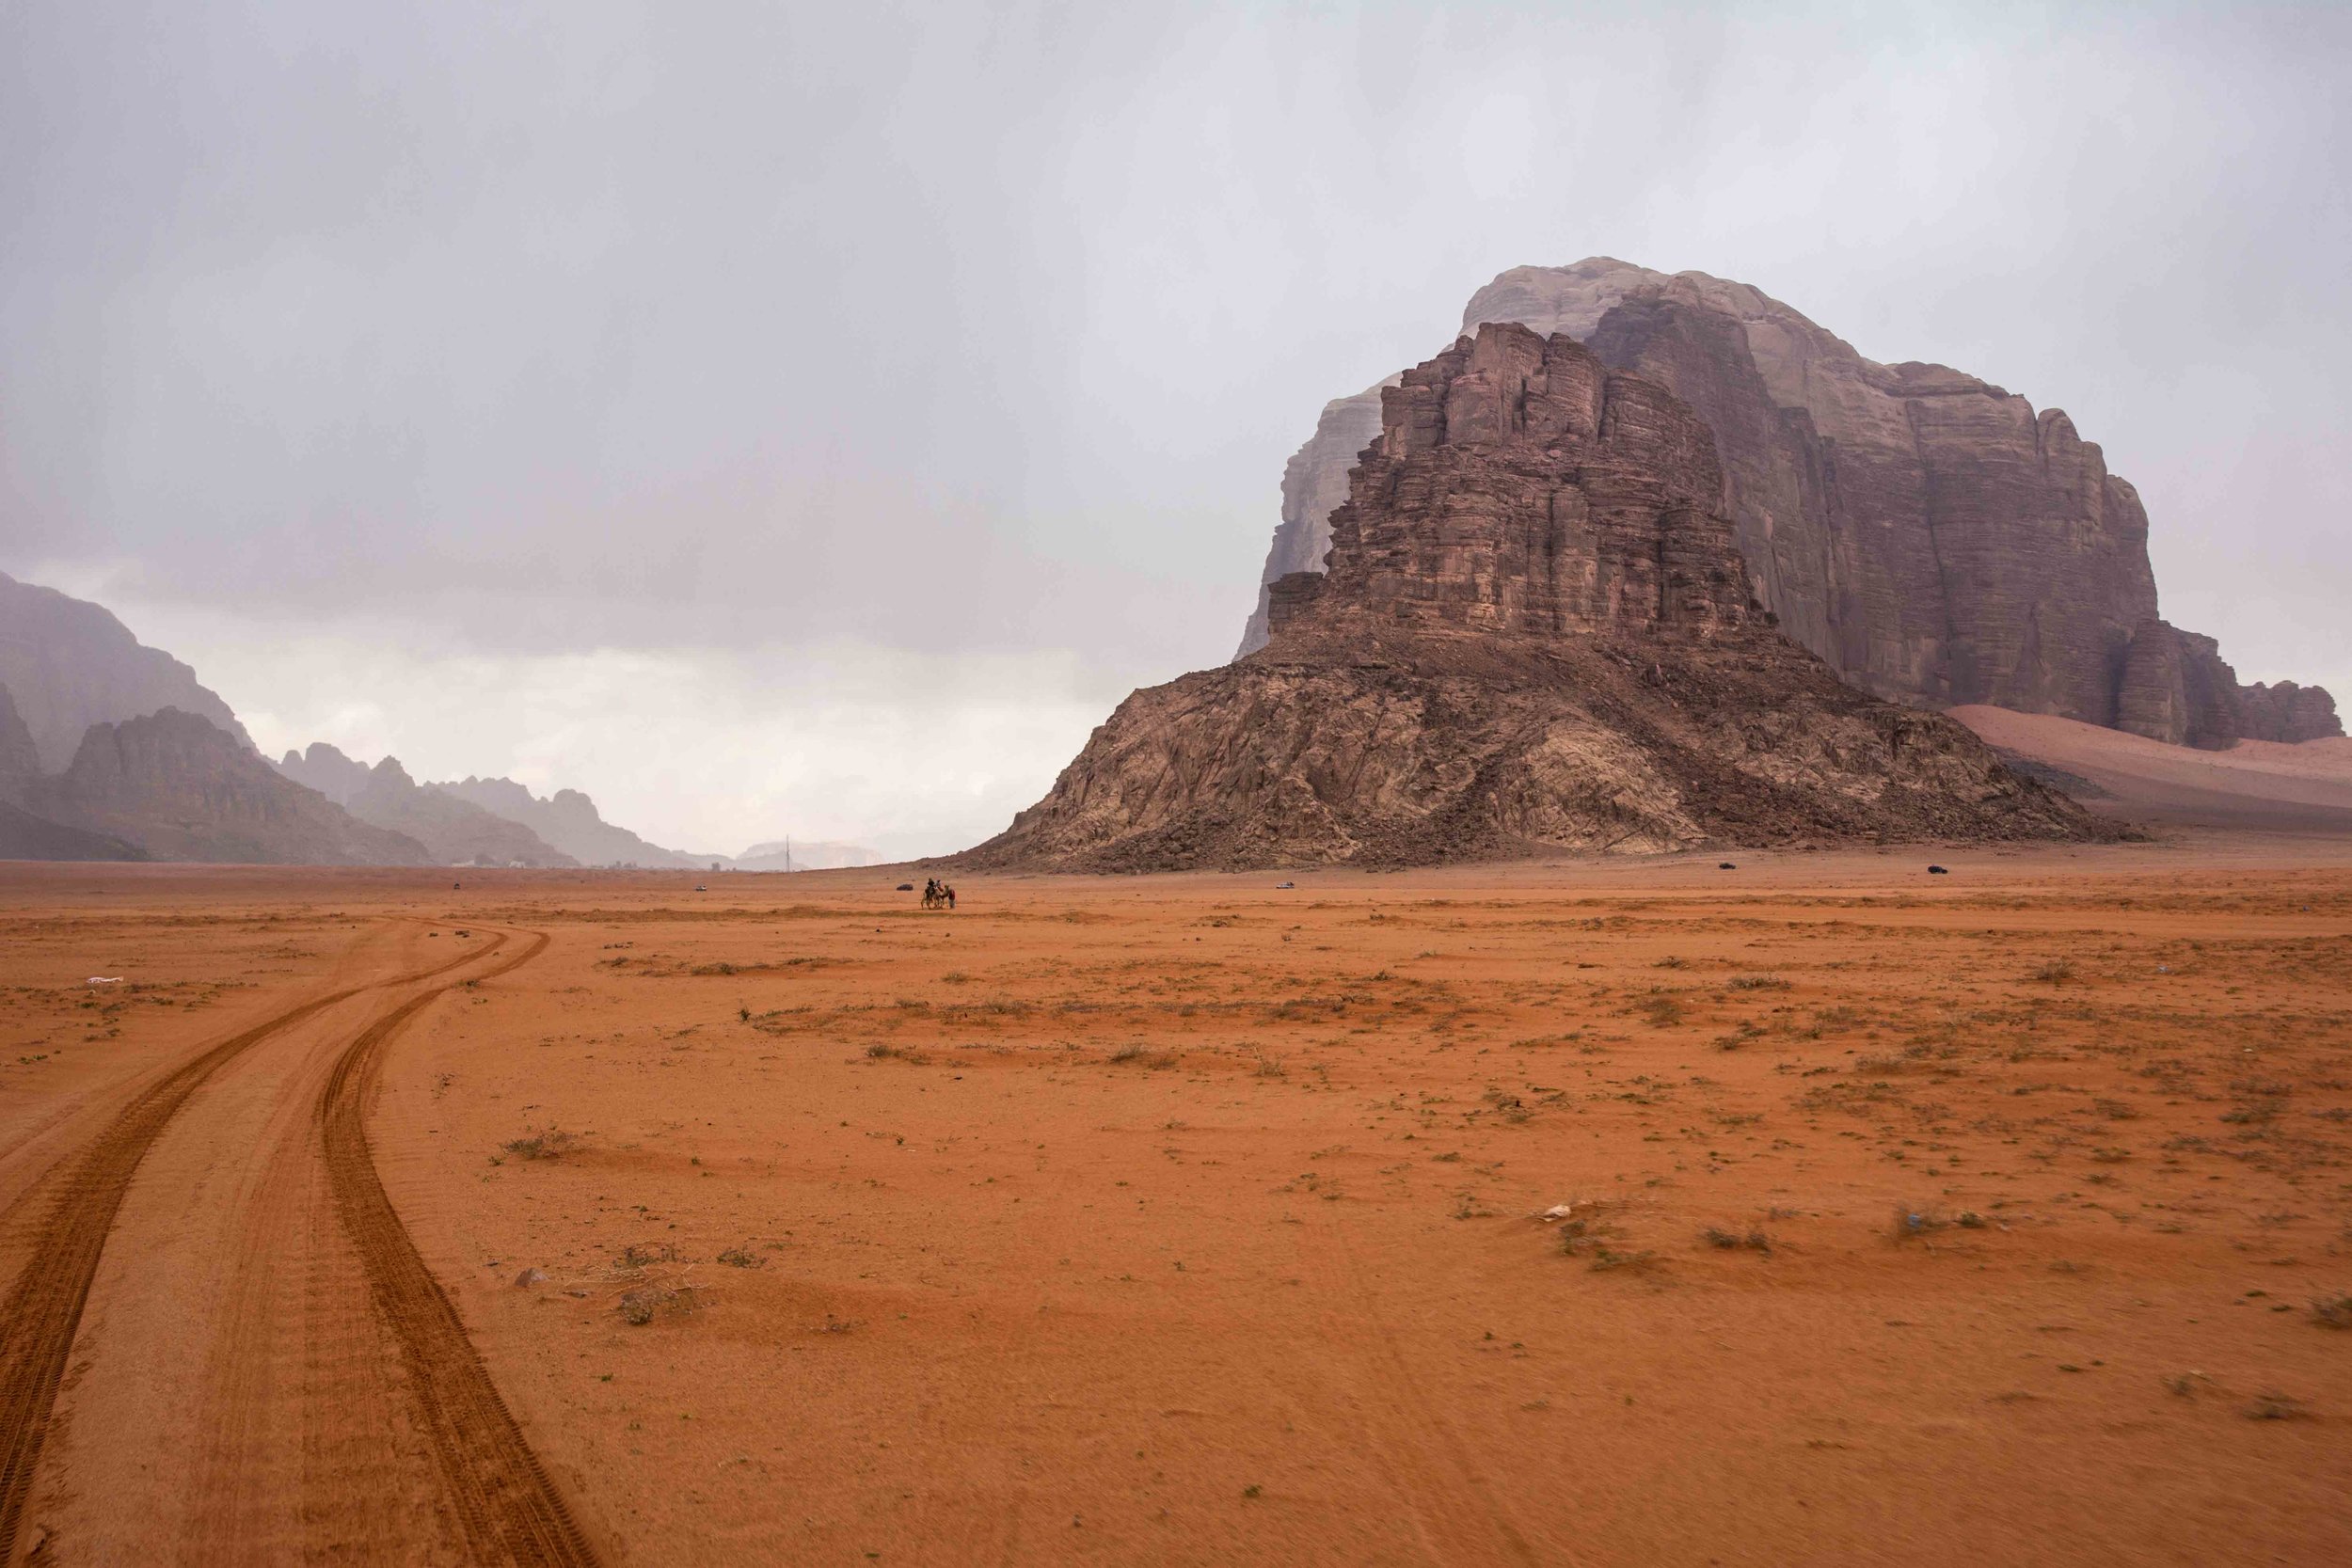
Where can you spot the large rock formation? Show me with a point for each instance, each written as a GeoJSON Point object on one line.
{"type": "Point", "coordinates": [70, 664]}
{"type": "Point", "coordinates": [1314, 483]}
{"type": "Point", "coordinates": [454, 831]}
{"type": "Point", "coordinates": [1927, 534]}
{"type": "Point", "coordinates": [19, 759]}
{"type": "Point", "coordinates": [1535, 631]}
{"type": "Point", "coordinates": [327, 769]}
{"type": "Point", "coordinates": [185, 789]}
{"type": "Point", "coordinates": [569, 822]}
{"type": "Point", "coordinates": [24, 836]}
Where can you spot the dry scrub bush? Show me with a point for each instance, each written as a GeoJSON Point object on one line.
{"type": "Point", "coordinates": [548, 1144]}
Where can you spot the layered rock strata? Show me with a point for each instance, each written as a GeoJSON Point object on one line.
{"type": "Point", "coordinates": [1535, 632]}
{"type": "Point", "coordinates": [1931, 535]}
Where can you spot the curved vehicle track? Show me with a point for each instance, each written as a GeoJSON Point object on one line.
{"type": "Point", "coordinates": [482, 1468]}
{"type": "Point", "coordinates": [511, 1511]}
{"type": "Point", "coordinates": [43, 1307]}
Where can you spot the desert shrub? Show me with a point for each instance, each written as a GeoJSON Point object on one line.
{"type": "Point", "coordinates": [548, 1144]}
{"type": "Point", "coordinates": [640, 1307]}
{"type": "Point", "coordinates": [1732, 1240]}
{"type": "Point", "coordinates": [1661, 1009]}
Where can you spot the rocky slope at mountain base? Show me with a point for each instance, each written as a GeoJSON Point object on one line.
{"type": "Point", "coordinates": [1930, 534]}
{"type": "Point", "coordinates": [183, 789]}
{"type": "Point", "coordinates": [70, 664]}
{"type": "Point", "coordinates": [1534, 633]}
{"type": "Point", "coordinates": [27, 837]}
{"type": "Point", "coordinates": [1436, 747]}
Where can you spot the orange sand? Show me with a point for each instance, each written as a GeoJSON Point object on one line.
{"type": "Point", "coordinates": [2256, 784]}
{"type": "Point", "coordinates": [1187, 1220]}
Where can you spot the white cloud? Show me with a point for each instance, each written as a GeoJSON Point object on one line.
{"type": "Point", "coordinates": [703, 750]}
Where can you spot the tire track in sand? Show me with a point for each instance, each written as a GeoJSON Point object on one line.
{"type": "Point", "coordinates": [511, 1511]}
{"type": "Point", "coordinates": [1457, 1514]}
{"type": "Point", "coordinates": [43, 1307]}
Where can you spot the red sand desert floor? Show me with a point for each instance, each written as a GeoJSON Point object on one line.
{"type": "Point", "coordinates": [1819, 1210]}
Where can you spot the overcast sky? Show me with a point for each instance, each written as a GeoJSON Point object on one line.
{"type": "Point", "coordinates": [815, 418]}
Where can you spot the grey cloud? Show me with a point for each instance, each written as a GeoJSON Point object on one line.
{"type": "Point", "coordinates": [964, 329]}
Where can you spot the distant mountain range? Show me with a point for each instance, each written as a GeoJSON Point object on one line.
{"type": "Point", "coordinates": [569, 821]}
{"type": "Point", "coordinates": [454, 832]}
{"type": "Point", "coordinates": [804, 855]}
{"type": "Point", "coordinates": [179, 788]}
{"type": "Point", "coordinates": [69, 664]}
{"type": "Point", "coordinates": [110, 749]}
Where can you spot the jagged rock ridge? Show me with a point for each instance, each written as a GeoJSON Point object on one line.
{"type": "Point", "coordinates": [70, 664]}
{"type": "Point", "coordinates": [185, 789]}
{"type": "Point", "coordinates": [569, 822]}
{"type": "Point", "coordinates": [1535, 631]}
{"type": "Point", "coordinates": [454, 831]}
{"type": "Point", "coordinates": [1927, 534]}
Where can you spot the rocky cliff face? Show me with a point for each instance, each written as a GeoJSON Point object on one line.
{"type": "Point", "coordinates": [2176, 688]}
{"type": "Point", "coordinates": [70, 664]}
{"type": "Point", "coordinates": [24, 836]}
{"type": "Point", "coordinates": [1931, 535]}
{"type": "Point", "coordinates": [1313, 485]}
{"type": "Point", "coordinates": [185, 789]}
{"type": "Point", "coordinates": [19, 759]}
{"type": "Point", "coordinates": [1535, 631]}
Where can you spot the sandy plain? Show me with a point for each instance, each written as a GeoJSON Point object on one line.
{"type": "Point", "coordinates": [1188, 1219]}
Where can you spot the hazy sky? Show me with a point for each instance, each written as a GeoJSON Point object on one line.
{"type": "Point", "coordinates": [814, 418]}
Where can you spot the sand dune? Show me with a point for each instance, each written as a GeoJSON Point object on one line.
{"type": "Point", "coordinates": [2255, 783]}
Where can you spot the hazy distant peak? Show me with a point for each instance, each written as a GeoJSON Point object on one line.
{"type": "Point", "coordinates": [799, 854]}
{"type": "Point", "coordinates": [568, 822]}
{"type": "Point", "coordinates": [69, 664]}
{"type": "Point", "coordinates": [327, 769]}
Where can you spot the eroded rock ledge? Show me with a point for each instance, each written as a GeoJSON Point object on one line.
{"type": "Point", "coordinates": [1536, 633]}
